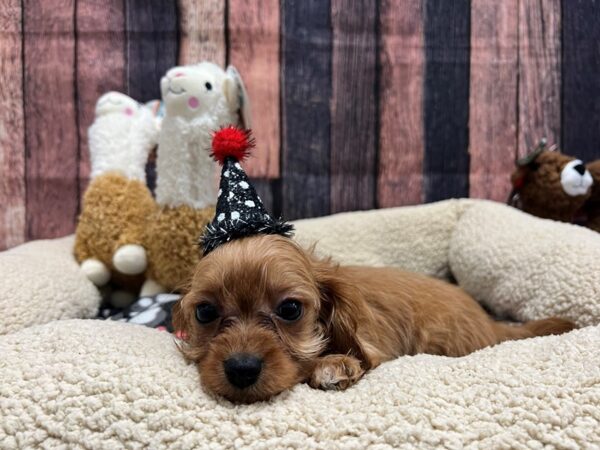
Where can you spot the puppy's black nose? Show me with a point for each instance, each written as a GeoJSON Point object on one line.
{"type": "Point", "coordinates": [242, 369]}
{"type": "Point", "coordinates": [580, 168]}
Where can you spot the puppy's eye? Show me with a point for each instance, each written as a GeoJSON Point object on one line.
{"type": "Point", "coordinates": [208, 86]}
{"type": "Point", "coordinates": [289, 310]}
{"type": "Point", "coordinates": [206, 313]}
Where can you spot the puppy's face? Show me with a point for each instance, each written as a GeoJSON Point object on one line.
{"type": "Point", "coordinates": [252, 318]}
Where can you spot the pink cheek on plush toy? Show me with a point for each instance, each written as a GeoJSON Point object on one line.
{"type": "Point", "coordinates": [128, 112]}
{"type": "Point", "coordinates": [193, 102]}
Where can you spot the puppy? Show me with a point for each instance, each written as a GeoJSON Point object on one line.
{"type": "Point", "coordinates": [262, 315]}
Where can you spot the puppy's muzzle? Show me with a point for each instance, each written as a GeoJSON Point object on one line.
{"type": "Point", "coordinates": [242, 369]}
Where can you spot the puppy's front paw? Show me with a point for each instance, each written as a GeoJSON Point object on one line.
{"type": "Point", "coordinates": [336, 372]}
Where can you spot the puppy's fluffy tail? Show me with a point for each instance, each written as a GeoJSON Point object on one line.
{"type": "Point", "coordinates": [544, 327]}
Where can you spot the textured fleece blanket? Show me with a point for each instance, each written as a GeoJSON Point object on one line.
{"type": "Point", "coordinates": [71, 384]}
{"type": "Point", "coordinates": [102, 384]}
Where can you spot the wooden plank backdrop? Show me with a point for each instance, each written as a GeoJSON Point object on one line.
{"type": "Point", "coordinates": [493, 99]}
{"type": "Point", "coordinates": [401, 60]}
{"type": "Point", "coordinates": [353, 105]}
{"type": "Point", "coordinates": [100, 65]}
{"type": "Point", "coordinates": [51, 132]}
{"type": "Point", "coordinates": [12, 131]}
{"type": "Point", "coordinates": [356, 104]}
{"type": "Point", "coordinates": [581, 83]}
{"type": "Point", "coordinates": [306, 95]}
{"type": "Point", "coordinates": [446, 97]}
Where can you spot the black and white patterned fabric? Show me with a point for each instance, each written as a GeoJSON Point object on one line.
{"type": "Point", "coordinates": [154, 312]}
{"type": "Point", "coordinates": [240, 211]}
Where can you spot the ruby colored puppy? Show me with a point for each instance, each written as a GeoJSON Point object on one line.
{"type": "Point", "coordinates": [262, 315]}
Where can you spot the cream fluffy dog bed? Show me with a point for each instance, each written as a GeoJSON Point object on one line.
{"type": "Point", "coordinates": [97, 384]}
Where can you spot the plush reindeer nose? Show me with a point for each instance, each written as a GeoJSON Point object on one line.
{"type": "Point", "coordinates": [580, 168]}
{"type": "Point", "coordinates": [242, 369]}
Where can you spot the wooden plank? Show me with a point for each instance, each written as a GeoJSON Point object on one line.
{"type": "Point", "coordinates": [306, 92]}
{"type": "Point", "coordinates": [493, 97]}
{"type": "Point", "coordinates": [12, 139]}
{"type": "Point", "coordinates": [446, 105]}
{"type": "Point", "coordinates": [401, 103]}
{"type": "Point", "coordinates": [254, 51]}
{"type": "Point", "coordinates": [151, 45]}
{"type": "Point", "coordinates": [265, 189]}
{"type": "Point", "coordinates": [202, 31]}
{"type": "Point", "coordinates": [539, 73]}
{"type": "Point", "coordinates": [581, 83]}
{"type": "Point", "coordinates": [51, 124]}
{"type": "Point", "coordinates": [100, 65]}
{"type": "Point", "coordinates": [354, 105]}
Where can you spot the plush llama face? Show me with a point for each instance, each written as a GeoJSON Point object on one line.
{"type": "Point", "coordinates": [191, 91]}
{"type": "Point", "coordinates": [552, 185]}
{"type": "Point", "coordinates": [115, 102]}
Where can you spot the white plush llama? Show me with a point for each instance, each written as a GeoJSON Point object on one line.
{"type": "Point", "coordinates": [198, 99]}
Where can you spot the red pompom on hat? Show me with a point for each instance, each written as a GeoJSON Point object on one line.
{"type": "Point", "coordinates": [232, 142]}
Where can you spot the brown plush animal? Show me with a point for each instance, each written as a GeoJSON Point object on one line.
{"type": "Point", "coordinates": [592, 206]}
{"type": "Point", "coordinates": [117, 203]}
{"type": "Point", "coordinates": [551, 185]}
{"type": "Point", "coordinates": [172, 246]}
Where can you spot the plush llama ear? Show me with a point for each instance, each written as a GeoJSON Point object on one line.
{"type": "Point", "coordinates": [237, 97]}
{"type": "Point", "coordinates": [340, 312]}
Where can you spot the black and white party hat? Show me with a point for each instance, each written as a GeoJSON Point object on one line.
{"type": "Point", "coordinates": [240, 212]}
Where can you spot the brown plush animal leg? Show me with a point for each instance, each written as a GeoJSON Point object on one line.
{"type": "Point", "coordinates": [336, 372]}
{"type": "Point", "coordinates": [94, 269]}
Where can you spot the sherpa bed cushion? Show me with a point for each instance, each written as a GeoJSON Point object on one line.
{"type": "Point", "coordinates": [516, 264]}
{"type": "Point", "coordinates": [41, 282]}
{"type": "Point", "coordinates": [107, 385]}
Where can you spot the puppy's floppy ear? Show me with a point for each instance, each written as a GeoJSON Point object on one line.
{"type": "Point", "coordinates": [178, 319]}
{"type": "Point", "coordinates": [341, 309]}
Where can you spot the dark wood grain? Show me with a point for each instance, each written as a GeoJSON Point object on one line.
{"type": "Point", "coordinates": [51, 122]}
{"type": "Point", "coordinates": [494, 98]}
{"type": "Point", "coordinates": [539, 73]}
{"type": "Point", "coordinates": [446, 105]}
{"type": "Point", "coordinates": [254, 51]}
{"type": "Point", "coordinates": [12, 139]}
{"type": "Point", "coordinates": [266, 190]}
{"type": "Point", "coordinates": [202, 31]}
{"type": "Point", "coordinates": [151, 45]}
{"type": "Point", "coordinates": [100, 65]}
{"type": "Point", "coordinates": [581, 82]}
{"type": "Point", "coordinates": [401, 59]}
{"type": "Point", "coordinates": [306, 93]}
{"type": "Point", "coordinates": [354, 105]}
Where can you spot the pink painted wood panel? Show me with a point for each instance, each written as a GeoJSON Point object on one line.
{"type": "Point", "coordinates": [12, 139]}
{"type": "Point", "coordinates": [254, 51]}
{"type": "Point", "coordinates": [51, 119]}
{"type": "Point", "coordinates": [202, 31]}
{"type": "Point", "coordinates": [539, 73]}
{"type": "Point", "coordinates": [493, 97]}
{"type": "Point", "coordinates": [401, 103]}
{"type": "Point", "coordinates": [100, 65]}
